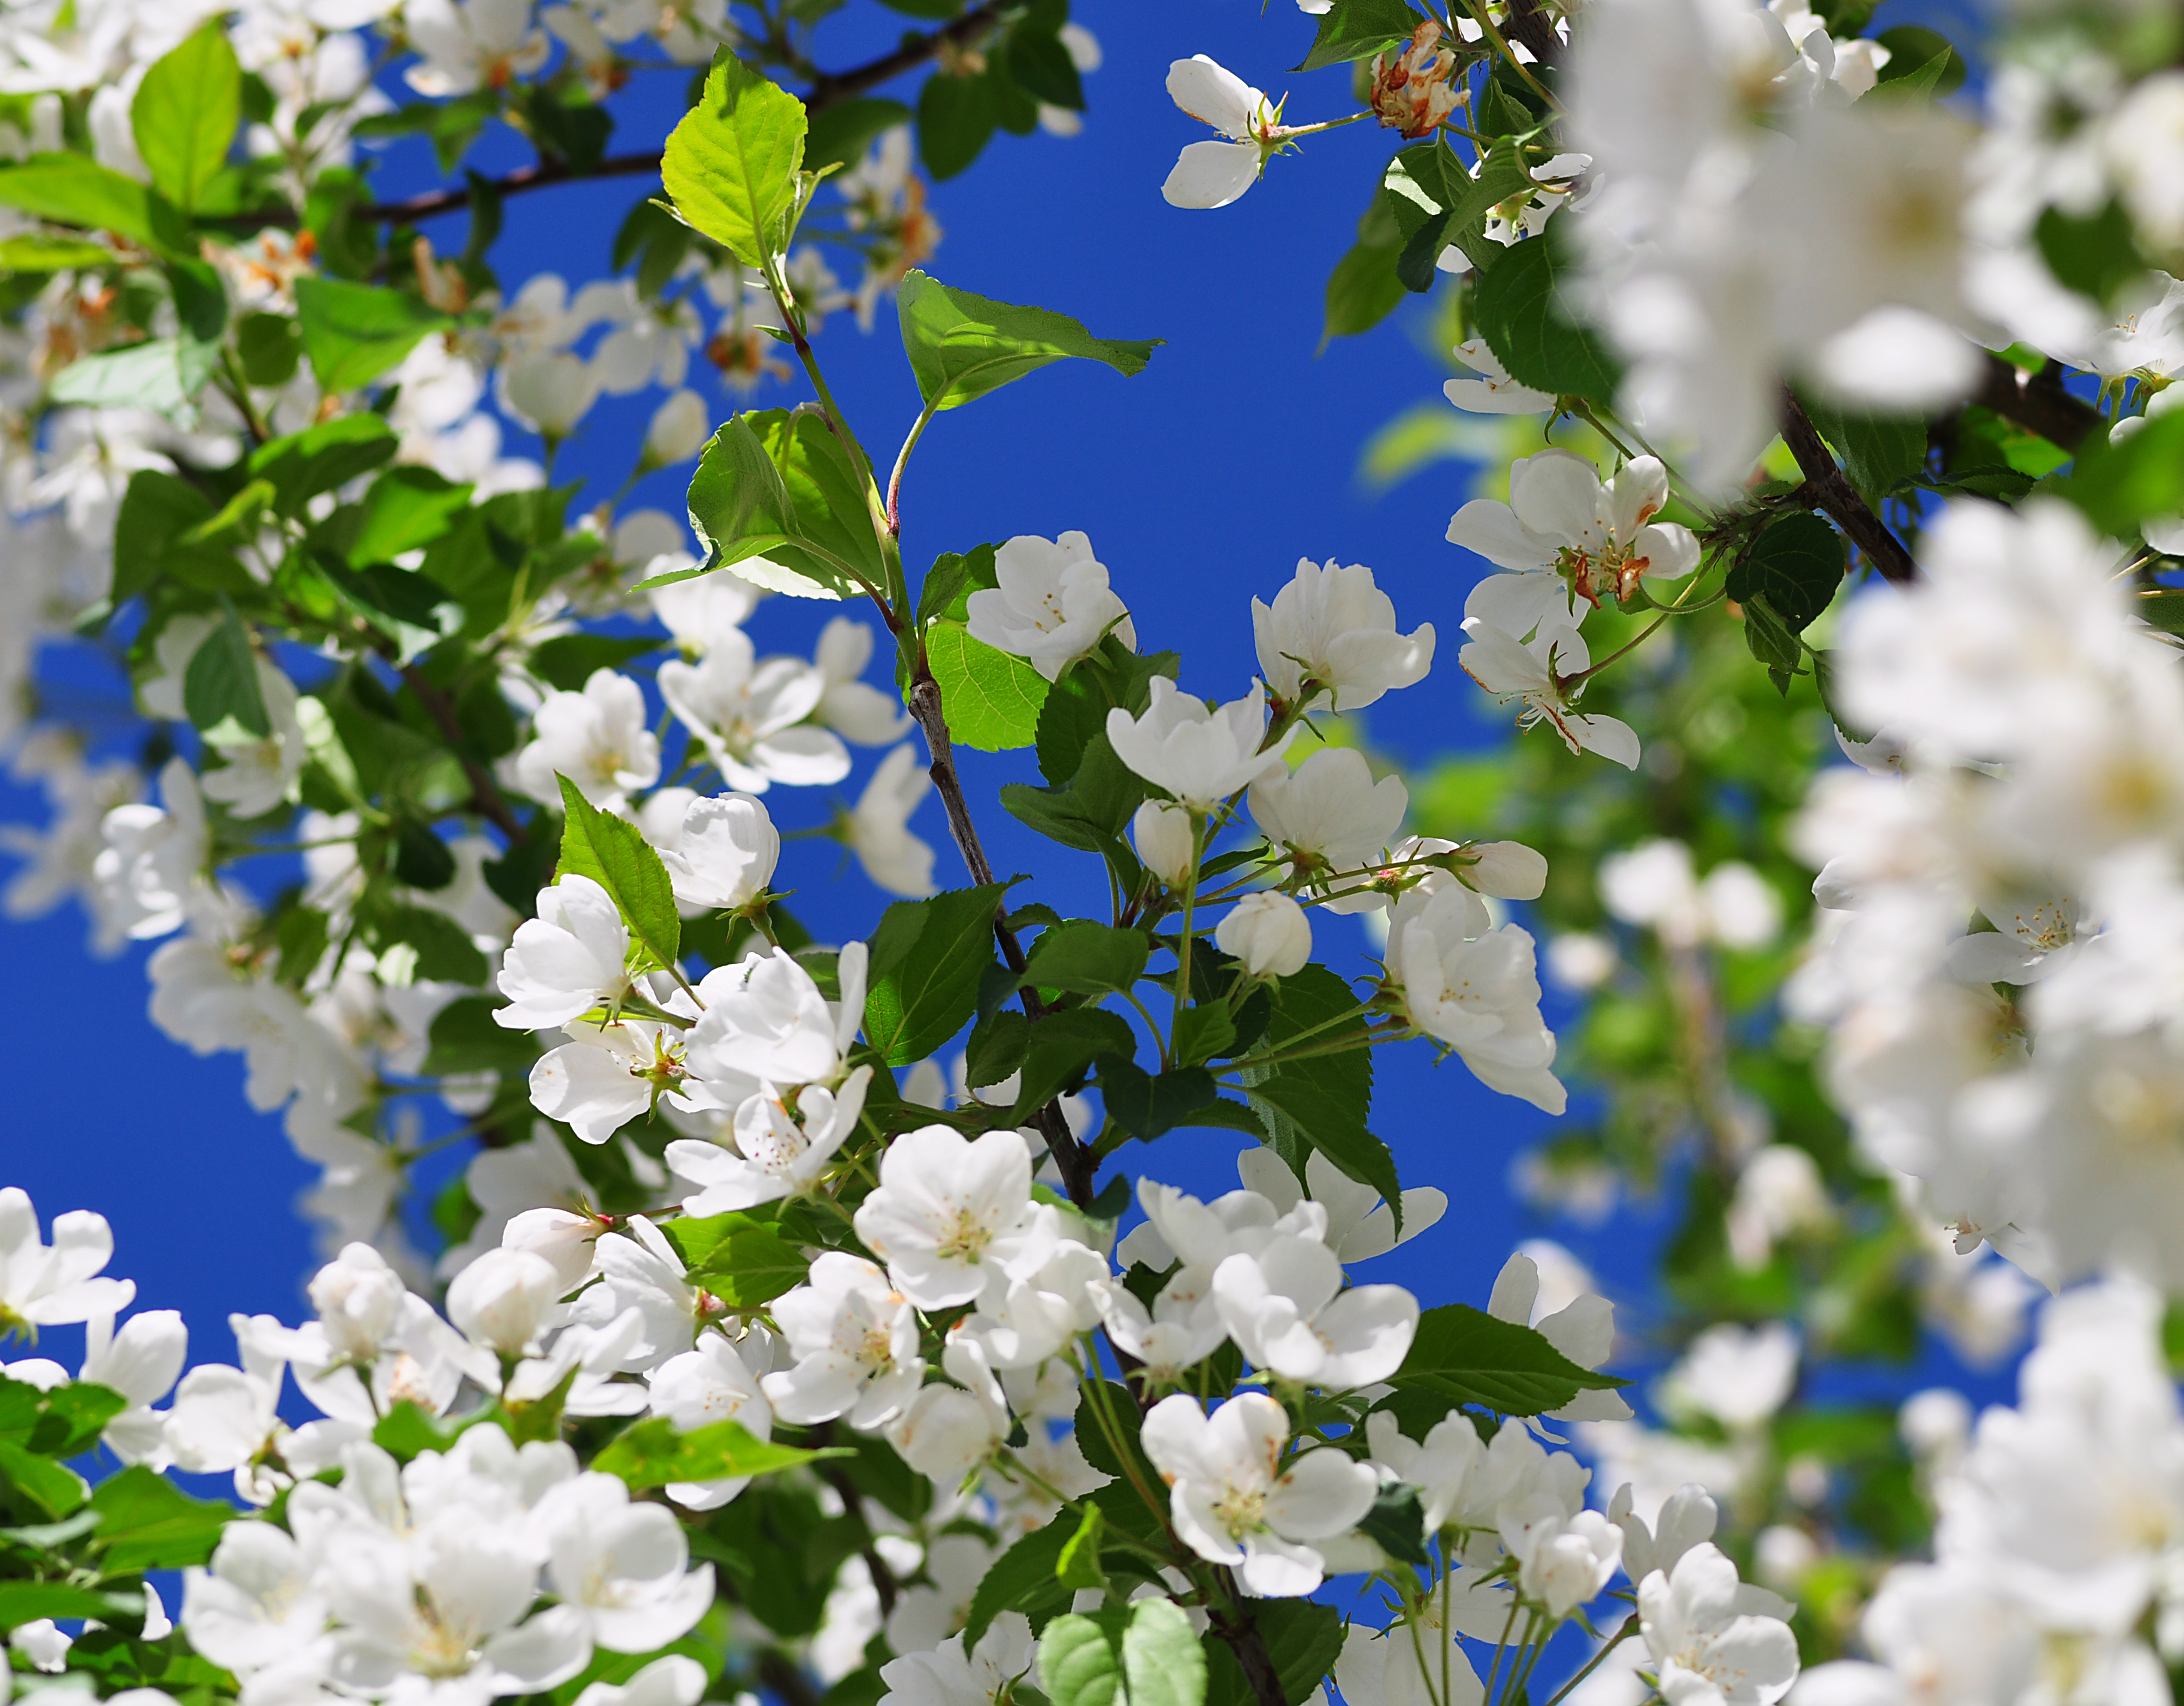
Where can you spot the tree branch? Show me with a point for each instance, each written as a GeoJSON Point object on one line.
{"type": "Point", "coordinates": [1527, 21]}
{"type": "Point", "coordinates": [2037, 402]}
{"type": "Point", "coordinates": [829, 90]}
{"type": "Point", "coordinates": [1836, 495]}
{"type": "Point", "coordinates": [1240, 1630]}
{"type": "Point", "coordinates": [485, 795]}
{"type": "Point", "coordinates": [1072, 1159]}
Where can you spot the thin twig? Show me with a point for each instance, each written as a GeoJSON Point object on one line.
{"type": "Point", "coordinates": [2037, 402]}
{"type": "Point", "coordinates": [485, 793]}
{"type": "Point", "coordinates": [1240, 1630]}
{"type": "Point", "coordinates": [1840, 498]}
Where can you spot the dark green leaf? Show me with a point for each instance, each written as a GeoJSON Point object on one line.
{"type": "Point", "coordinates": [1043, 69]}
{"type": "Point", "coordinates": [654, 1453]}
{"type": "Point", "coordinates": [353, 333]}
{"type": "Point", "coordinates": [962, 346]}
{"type": "Point", "coordinates": [1061, 1048]}
{"type": "Point", "coordinates": [156, 512]}
{"type": "Point", "coordinates": [1090, 813]}
{"type": "Point", "coordinates": [421, 943]}
{"type": "Point", "coordinates": [271, 346]}
{"type": "Point", "coordinates": [185, 114]}
{"type": "Point", "coordinates": [319, 458]}
{"type": "Point", "coordinates": [2095, 255]}
{"type": "Point", "coordinates": [1085, 957]}
{"type": "Point", "coordinates": [1879, 452]}
{"type": "Point", "coordinates": [991, 699]}
{"type": "Point", "coordinates": [1468, 1357]}
{"type": "Point", "coordinates": [1321, 1102]}
{"type": "Point", "coordinates": [1146, 1105]}
{"type": "Point", "coordinates": [1922, 57]}
{"type": "Point", "coordinates": [2120, 484]}
{"type": "Point", "coordinates": [998, 1044]}
{"type": "Point", "coordinates": [1522, 313]}
{"type": "Point", "coordinates": [221, 681]}
{"type": "Point", "coordinates": [955, 119]}
{"type": "Point", "coordinates": [1024, 1578]}
{"type": "Point", "coordinates": [1356, 29]}
{"type": "Point", "coordinates": [731, 165]}
{"type": "Point", "coordinates": [74, 1417]}
{"type": "Point", "coordinates": [615, 855]}
{"type": "Point", "coordinates": [1363, 290]}
{"type": "Point", "coordinates": [750, 1265]}
{"type": "Point", "coordinates": [923, 978]}
{"type": "Point", "coordinates": [567, 660]}
{"type": "Point", "coordinates": [1203, 1033]}
{"type": "Point", "coordinates": [25, 1602]}
{"type": "Point", "coordinates": [44, 1488]}
{"type": "Point", "coordinates": [1302, 1639]}
{"type": "Point", "coordinates": [1797, 565]}
{"type": "Point", "coordinates": [1770, 639]}
{"type": "Point", "coordinates": [951, 581]}
{"type": "Point", "coordinates": [1396, 1524]}
{"type": "Point", "coordinates": [841, 133]}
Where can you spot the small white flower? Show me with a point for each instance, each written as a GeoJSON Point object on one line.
{"type": "Point", "coordinates": [1212, 175]}
{"type": "Point", "coordinates": [948, 1209]}
{"type": "Point", "coordinates": [751, 715]}
{"type": "Point", "coordinates": [725, 851]}
{"type": "Point", "coordinates": [1269, 933]}
{"type": "Point", "coordinates": [549, 391]}
{"type": "Point", "coordinates": [1233, 1502]}
{"type": "Point", "coordinates": [1476, 990]}
{"type": "Point", "coordinates": [502, 1301]}
{"type": "Point", "coordinates": [851, 707]}
{"type": "Point", "coordinates": [1329, 815]}
{"type": "Point", "coordinates": [1715, 1642]}
{"type": "Point", "coordinates": [1285, 1305]}
{"type": "Point", "coordinates": [766, 1022]}
{"type": "Point", "coordinates": [142, 1362]}
{"type": "Point", "coordinates": [777, 1153]}
{"type": "Point", "coordinates": [570, 959]}
{"type": "Point", "coordinates": [466, 44]}
{"type": "Point", "coordinates": [1493, 392]}
{"type": "Point", "coordinates": [150, 874]}
{"type": "Point", "coordinates": [1332, 631]}
{"type": "Point", "coordinates": [1050, 605]}
{"type": "Point", "coordinates": [678, 431]}
{"type": "Point", "coordinates": [1359, 1225]}
{"type": "Point", "coordinates": [1440, 1469]}
{"type": "Point", "coordinates": [855, 1339]}
{"type": "Point", "coordinates": [878, 828]}
{"type": "Point", "coordinates": [1197, 755]}
{"type": "Point", "coordinates": [598, 739]}
{"type": "Point", "coordinates": [1535, 674]}
{"type": "Point", "coordinates": [43, 1285]}
{"type": "Point", "coordinates": [1165, 841]}
{"type": "Point", "coordinates": [1597, 536]}
{"type": "Point", "coordinates": [1563, 1560]}
{"type": "Point", "coordinates": [622, 1565]}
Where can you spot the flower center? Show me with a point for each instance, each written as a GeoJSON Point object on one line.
{"type": "Point", "coordinates": [966, 1240]}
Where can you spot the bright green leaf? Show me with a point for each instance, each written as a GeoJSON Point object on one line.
{"type": "Point", "coordinates": [1356, 29]}
{"type": "Point", "coordinates": [74, 189]}
{"type": "Point", "coordinates": [32, 252]}
{"type": "Point", "coordinates": [615, 855]}
{"type": "Point", "coordinates": [731, 165]}
{"type": "Point", "coordinates": [1026, 1578]}
{"type": "Point", "coordinates": [654, 1453]}
{"type": "Point", "coordinates": [353, 333]}
{"type": "Point", "coordinates": [1080, 1658]}
{"type": "Point", "coordinates": [1085, 957]}
{"type": "Point", "coordinates": [1468, 1357]}
{"type": "Point", "coordinates": [992, 700]}
{"type": "Point", "coordinates": [147, 1523]}
{"type": "Point", "coordinates": [185, 114]}
{"type": "Point", "coordinates": [162, 373]}
{"type": "Point", "coordinates": [1077, 1565]}
{"type": "Point", "coordinates": [776, 497]}
{"type": "Point", "coordinates": [962, 346]}
{"type": "Point", "coordinates": [1162, 1663]}
{"type": "Point", "coordinates": [923, 978]}
{"type": "Point", "coordinates": [750, 1266]}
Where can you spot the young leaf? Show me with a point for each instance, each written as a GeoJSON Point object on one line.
{"type": "Point", "coordinates": [962, 346]}
{"type": "Point", "coordinates": [731, 165]}
{"type": "Point", "coordinates": [1524, 317]}
{"type": "Point", "coordinates": [775, 494]}
{"type": "Point", "coordinates": [652, 1454]}
{"type": "Point", "coordinates": [1162, 1663]}
{"type": "Point", "coordinates": [185, 114]}
{"type": "Point", "coordinates": [354, 332]}
{"type": "Point", "coordinates": [1085, 957]}
{"type": "Point", "coordinates": [322, 457]}
{"type": "Point", "coordinates": [1080, 1658]}
{"type": "Point", "coordinates": [1078, 1565]}
{"type": "Point", "coordinates": [162, 373]}
{"type": "Point", "coordinates": [74, 189]}
{"type": "Point", "coordinates": [923, 980]}
{"type": "Point", "coordinates": [221, 681]}
{"type": "Point", "coordinates": [616, 856]}
{"type": "Point", "coordinates": [1796, 565]}
{"type": "Point", "coordinates": [750, 1265]}
{"type": "Point", "coordinates": [992, 700]}
{"type": "Point", "coordinates": [1468, 1357]}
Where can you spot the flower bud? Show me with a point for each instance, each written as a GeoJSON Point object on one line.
{"type": "Point", "coordinates": [359, 1298]}
{"type": "Point", "coordinates": [500, 1301]}
{"type": "Point", "coordinates": [551, 391]}
{"type": "Point", "coordinates": [1269, 932]}
{"type": "Point", "coordinates": [1164, 839]}
{"type": "Point", "coordinates": [1507, 870]}
{"type": "Point", "coordinates": [725, 853]}
{"type": "Point", "coordinates": [678, 430]}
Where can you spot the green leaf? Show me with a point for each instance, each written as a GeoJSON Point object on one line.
{"type": "Point", "coordinates": [1025, 1578]}
{"type": "Point", "coordinates": [157, 510]}
{"type": "Point", "coordinates": [1523, 314]}
{"type": "Point", "coordinates": [414, 942]}
{"type": "Point", "coordinates": [955, 119]}
{"type": "Point", "coordinates": [750, 1265]}
{"type": "Point", "coordinates": [951, 580]}
{"type": "Point", "coordinates": [1203, 1033]}
{"type": "Point", "coordinates": [406, 509]}
{"type": "Point", "coordinates": [962, 346]}
{"type": "Point", "coordinates": [73, 189]}
{"type": "Point", "coordinates": [1062, 1047]}
{"type": "Point", "coordinates": [2120, 484]}
{"type": "Point", "coordinates": [778, 497]}
{"type": "Point", "coordinates": [1084, 957]}
{"type": "Point", "coordinates": [1796, 565]}
{"type": "Point", "coordinates": [840, 134]}
{"type": "Point", "coordinates": [1162, 1663]}
{"type": "Point", "coordinates": [25, 1602]}
{"type": "Point", "coordinates": [1468, 1357]}
{"type": "Point", "coordinates": [1091, 813]}
{"type": "Point", "coordinates": [922, 982]}
{"type": "Point", "coordinates": [992, 700]}
{"type": "Point", "coordinates": [32, 252]}
{"type": "Point", "coordinates": [75, 1415]}
{"type": "Point", "coordinates": [615, 855]}
{"type": "Point", "coordinates": [407, 1431]}
{"type": "Point", "coordinates": [146, 1522]}
{"type": "Point", "coordinates": [652, 1454]}
{"type": "Point", "coordinates": [1879, 452]}
{"type": "Point", "coordinates": [1356, 29]}
{"type": "Point", "coordinates": [1080, 1658]}
{"type": "Point", "coordinates": [271, 346]}
{"type": "Point", "coordinates": [1078, 1564]}
{"type": "Point", "coordinates": [322, 457]}
{"type": "Point", "coordinates": [567, 660]}
{"type": "Point", "coordinates": [162, 373]}
{"type": "Point", "coordinates": [353, 333]}
{"type": "Point", "coordinates": [2095, 255]}
{"type": "Point", "coordinates": [731, 165]}
{"type": "Point", "coordinates": [47, 1488]}
{"type": "Point", "coordinates": [1396, 1524]}
{"type": "Point", "coordinates": [1321, 1102]}
{"type": "Point", "coordinates": [1468, 200]}
{"type": "Point", "coordinates": [185, 114]}
{"type": "Point", "coordinates": [1771, 640]}
{"type": "Point", "coordinates": [221, 681]}
{"type": "Point", "coordinates": [1043, 69]}
{"type": "Point", "coordinates": [1922, 57]}
{"type": "Point", "coordinates": [1146, 1105]}
{"type": "Point", "coordinates": [463, 1039]}
{"type": "Point", "coordinates": [1142, 1654]}
{"type": "Point", "coordinates": [1362, 291]}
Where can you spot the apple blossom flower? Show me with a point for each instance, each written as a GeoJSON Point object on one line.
{"type": "Point", "coordinates": [1358, 1225]}
{"type": "Point", "coordinates": [53, 1286]}
{"type": "Point", "coordinates": [948, 1210]}
{"type": "Point", "coordinates": [257, 772]}
{"type": "Point", "coordinates": [1197, 755]}
{"type": "Point", "coordinates": [142, 1362]}
{"type": "Point", "coordinates": [1440, 1467]}
{"type": "Point", "coordinates": [567, 961]}
{"type": "Point", "coordinates": [466, 44]}
{"type": "Point", "coordinates": [854, 1339]}
{"type": "Point", "coordinates": [679, 428]}
{"type": "Point", "coordinates": [1563, 1560]}
{"type": "Point", "coordinates": [949, 1676]}
{"type": "Point", "coordinates": [598, 739]}
{"type": "Point", "coordinates": [1714, 1641]}
{"type": "Point", "coordinates": [1476, 990]}
{"type": "Point", "coordinates": [878, 830]}
{"type": "Point", "coordinates": [502, 1301]}
{"type": "Point", "coordinates": [709, 1383]}
{"type": "Point", "coordinates": [1232, 1501]}
{"type": "Point", "coordinates": [777, 1153]}
{"type": "Point", "coordinates": [677, 1680]}
{"type": "Point", "coordinates": [1329, 815]}
{"type": "Point", "coordinates": [1285, 1305]}
{"type": "Point", "coordinates": [851, 707]}
{"type": "Point", "coordinates": [621, 1565]}
{"type": "Point", "coordinates": [948, 1432]}
{"type": "Point", "coordinates": [725, 851]}
{"type": "Point", "coordinates": [1737, 1375]}
{"type": "Point", "coordinates": [608, 1075]}
{"type": "Point", "coordinates": [1493, 392]}
{"type": "Point", "coordinates": [150, 875]}
{"type": "Point", "coordinates": [1332, 631]}
{"type": "Point", "coordinates": [700, 610]}
{"type": "Point", "coordinates": [767, 1022]}
{"type": "Point", "coordinates": [1267, 932]}
{"type": "Point", "coordinates": [1167, 1343]}
{"type": "Point", "coordinates": [1561, 518]}
{"type": "Point", "coordinates": [1050, 603]}
{"type": "Point", "coordinates": [751, 715]}
{"type": "Point", "coordinates": [257, 1604]}
{"type": "Point", "coordinates": [1686, 1519]}
{"type": "Point", "coordinates": [1212, 175]}
{"type": "Point", "coordinates": [1581, 1326]}
{"type": "Point", "coordinates": [1166, 842]}
{"type": "Point", "coordinates": [549, 391]}
{"type": "Point", "coordinates": [1536, 674]}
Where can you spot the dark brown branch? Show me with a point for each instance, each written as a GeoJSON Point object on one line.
{"type": "Point", "coordinates": [1527, 21]}
{"type": "Point", "coordinates": [1837, 495]}
{"type": "Point", "coordinates": [1073, 1160]}
{"type": "Point", "coordinates": [486, 799]}
{"type": "Point", "coordinates": [2037, 402]}
{"type": "Point", "coordinates": [1240, 1630]}
{"type": "Point", "coordinates": [828, 91]}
